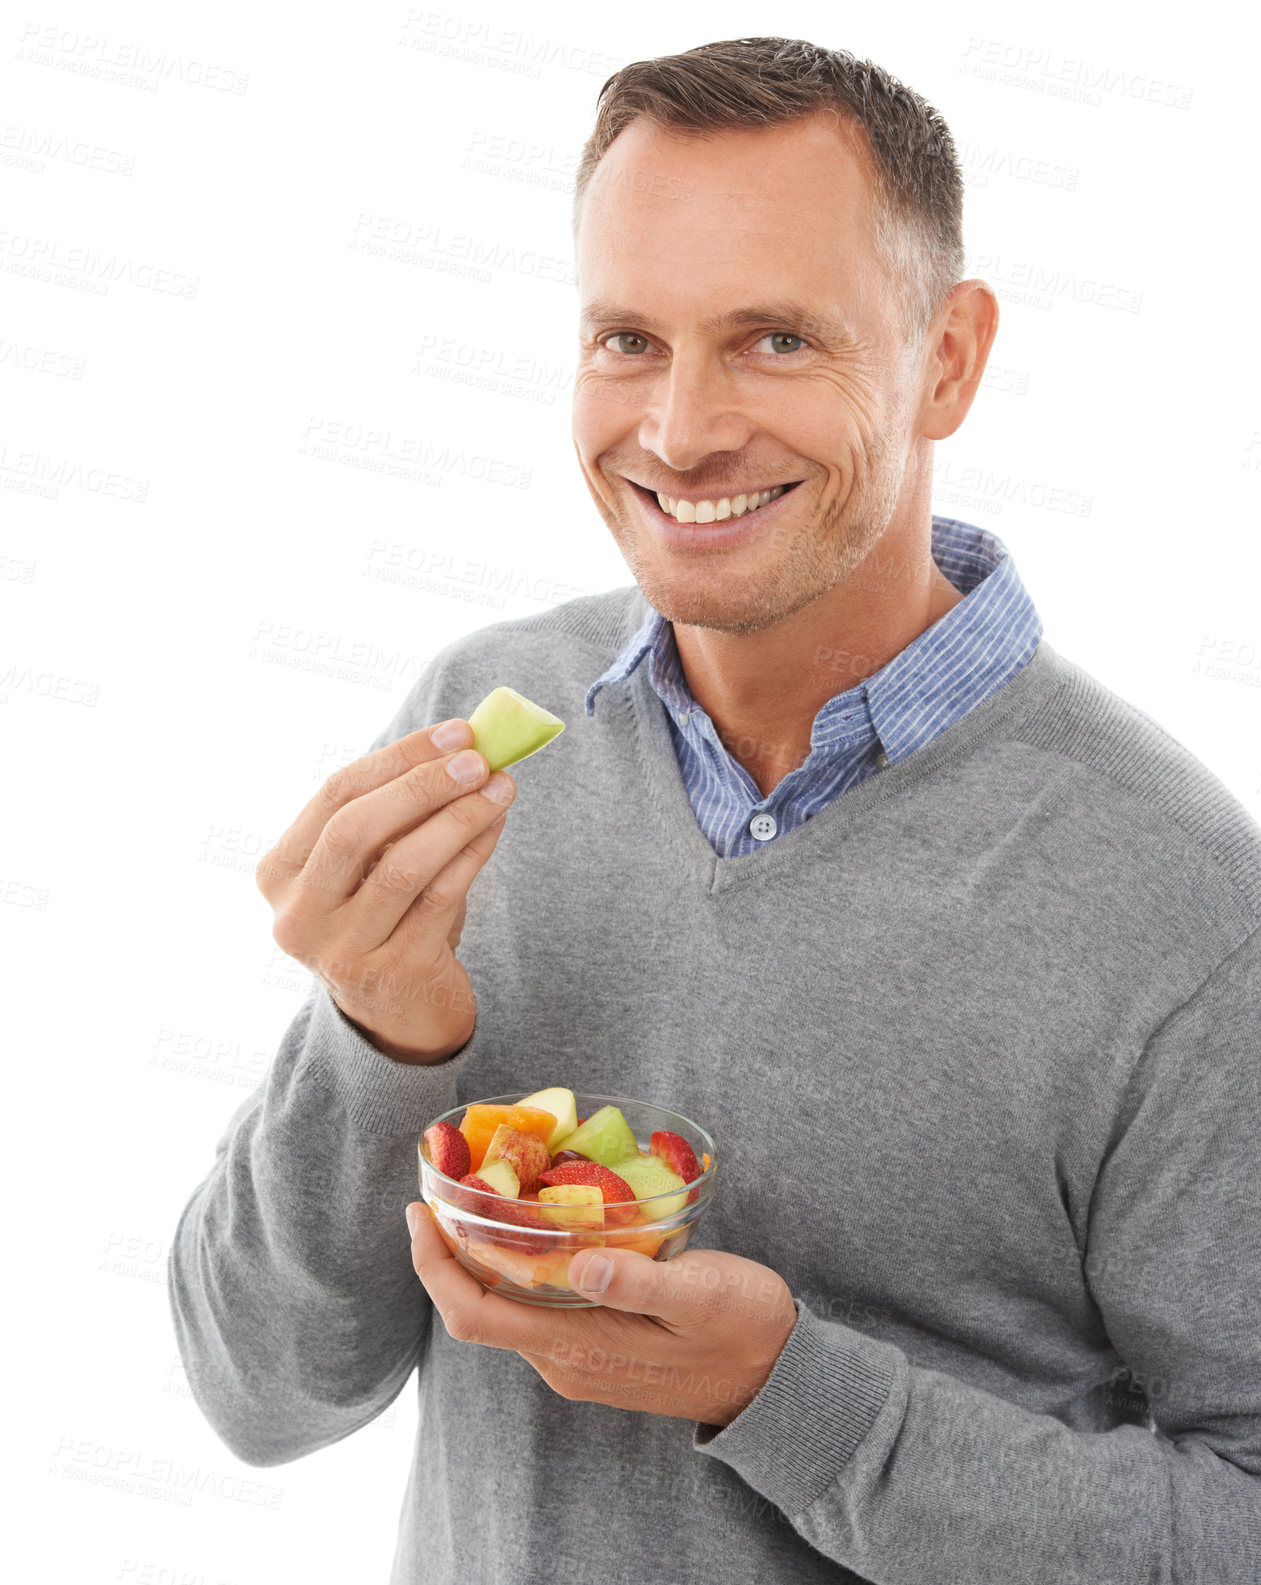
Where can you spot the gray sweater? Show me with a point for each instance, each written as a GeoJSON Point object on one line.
{"type": "Point", "coordinates": [981, 1044]}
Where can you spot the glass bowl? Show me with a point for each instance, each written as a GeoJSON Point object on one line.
{"type": "Point", "coordinates": [528, 1262]}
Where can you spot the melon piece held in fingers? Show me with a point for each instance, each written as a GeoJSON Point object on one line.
{"type": "Point", "coordinates": [507, 727]}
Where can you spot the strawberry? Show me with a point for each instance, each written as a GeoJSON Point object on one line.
{"type": "Point", "coordinates": [614, 1189]}
{"type": "Point", "coordinates": [529, 1243]}
{"type": "Point", "coordinates": [448, 1150]}
{"type": "Point", "coordinates": [677, 1154]}
{"type": "Point", "coordinates": [470, 1202]}
{"type": "Point", "coordinates": [504, 1210]}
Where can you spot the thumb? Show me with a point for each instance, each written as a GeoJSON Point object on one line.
{"type": "Point", "coordinates": [626, 1279]}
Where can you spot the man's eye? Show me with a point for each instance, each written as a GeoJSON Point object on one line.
{"type": "Point", "coordinates": [627, 335]}
{"type": "Point", "coordinates": [777, 338]}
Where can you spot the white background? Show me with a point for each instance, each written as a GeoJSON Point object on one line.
{"type": "Point", "coordinates": [201, 619]}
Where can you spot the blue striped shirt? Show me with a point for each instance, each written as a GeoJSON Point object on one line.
{"type": "Point", "coordinates": [966, 655]}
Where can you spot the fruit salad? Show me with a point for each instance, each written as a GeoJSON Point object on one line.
{"type": "Point", "coordinates": [526, 1184]}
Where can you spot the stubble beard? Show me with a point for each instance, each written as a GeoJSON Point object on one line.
{"type": "Point", "coordinates": [798, 563]}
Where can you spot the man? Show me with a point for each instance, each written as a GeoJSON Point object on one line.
{"type": "Point", "coordinates": [954, 952]}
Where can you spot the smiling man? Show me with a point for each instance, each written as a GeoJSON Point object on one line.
{"type": "Point", "coordinates": [753, 418]}
{"type": "Point", "coordinates": [956, 954]}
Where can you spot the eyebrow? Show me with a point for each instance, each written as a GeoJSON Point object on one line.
{"type": "Point", "coordinates": [600, 312]}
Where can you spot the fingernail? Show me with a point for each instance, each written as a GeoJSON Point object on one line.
{"type": "Point", "coordinates": [450, 734]}
{"type": "Point", "coordinates": [466, 766]}
{"type": "Point", "coordinates": [410, 1214]}
{"type": "Point", "coordinates": [498, 789]}
{"type": "Point", "coordinates": [596, 1274]}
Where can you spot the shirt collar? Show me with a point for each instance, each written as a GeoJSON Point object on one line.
{"type": "Point", "coordinates": [974, 647]}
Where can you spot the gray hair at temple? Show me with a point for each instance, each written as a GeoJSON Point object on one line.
{"type": "Point", "coordinates": [917, 186]}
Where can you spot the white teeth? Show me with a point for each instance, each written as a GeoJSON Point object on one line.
{"type": "Point", "coordinates": [717, 511]}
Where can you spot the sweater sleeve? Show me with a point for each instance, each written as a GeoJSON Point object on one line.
{"type": "Point", "coordinates": [297, 1313]}
{"type": "Point", "coordinates": [906, 1474]}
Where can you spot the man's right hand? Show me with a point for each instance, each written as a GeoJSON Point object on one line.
{"type": "Point", "coordinates": [369, 886]}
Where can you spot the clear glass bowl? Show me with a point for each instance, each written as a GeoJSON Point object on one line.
{"type": "Point", "coordinates": [528, 1262]}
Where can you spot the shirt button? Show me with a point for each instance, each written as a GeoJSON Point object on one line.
{"type": "Point", "coordinates": [763, 827]}
{"type": "Point", "coordinates": [683, 717]}
{"type": "Point", "coordinates": [882, 760]}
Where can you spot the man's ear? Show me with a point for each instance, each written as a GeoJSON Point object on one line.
{"type": "Point", "coordinates": [965, 329]}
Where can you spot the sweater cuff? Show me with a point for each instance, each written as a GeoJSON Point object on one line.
{"type": "Point", "coordinates": [818, 1403]}
{"type": "Point", "coordinates": [380, 1095]}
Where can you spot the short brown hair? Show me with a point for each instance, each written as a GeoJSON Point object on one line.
{"type": "Point", "coordinates": [917, 186]}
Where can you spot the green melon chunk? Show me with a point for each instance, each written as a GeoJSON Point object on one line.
{"type": "Point", "coordinates": [604, 1137]}
{"type": "Point", "coordinates": [508, 727]}
{"type": "Point", "coordinates": [648, 1175]}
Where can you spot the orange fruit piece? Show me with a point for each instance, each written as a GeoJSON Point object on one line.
{"type": "Point", "coordinates": [479, 1123]}
{"type": "Point", "coordinates": [624, 1238]}
{"type": "Point", "coordinates": [514, 1264]}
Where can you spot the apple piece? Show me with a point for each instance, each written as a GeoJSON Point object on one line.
{"type": "Point", "coordinates": [605, 1137]}
{"type": "Point", "coordinates": [448, 1150]}
{"type": "Point", "coordinates": [677, 1154]}
{"type": "Point", "coordinates": [527, 1154]}
{"type": "Point", "coordinates": [560, 1102]}
{"type": "Point", "coordinates": [649, 1175]}
{"type": "Point", "coordinates": [499, 1176]}
{"type": "Point", "coordinates": [572, 1205]}
{"type": "Point", "coordinates": [508, 727]}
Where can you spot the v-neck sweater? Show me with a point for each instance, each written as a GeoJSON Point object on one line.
{"type": "Point", "coordinates": [970, 652]}
{"type": "Point", "coordinates": [981, 1046]}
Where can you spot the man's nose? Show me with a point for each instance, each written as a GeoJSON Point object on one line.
{"type": "Point", "coordinates": [692, 413]}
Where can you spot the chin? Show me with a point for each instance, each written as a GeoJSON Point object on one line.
{"type": "Point", "coordinates": [691, 600]}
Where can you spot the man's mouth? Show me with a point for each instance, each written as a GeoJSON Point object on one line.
{"type": "Point", "coordinates": [714, 509]}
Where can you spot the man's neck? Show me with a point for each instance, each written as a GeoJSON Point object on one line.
{"type": "Point", "coordinates": [763, 690]}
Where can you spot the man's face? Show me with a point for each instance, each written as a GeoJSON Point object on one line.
{"type": "Point", "coordinates": [810, 383]}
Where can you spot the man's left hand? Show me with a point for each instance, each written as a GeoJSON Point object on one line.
{"type": "Point", "coordinates": [694, 1337]}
